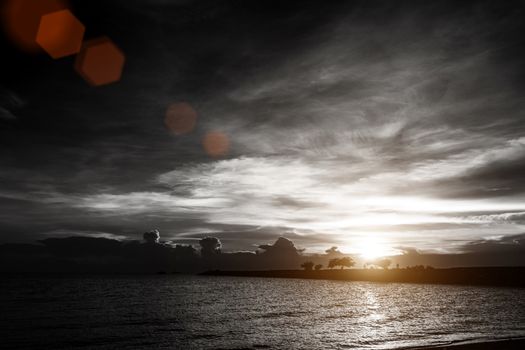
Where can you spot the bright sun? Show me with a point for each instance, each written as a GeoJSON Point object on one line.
{"type": "Point", "coordinates": [371, 248]}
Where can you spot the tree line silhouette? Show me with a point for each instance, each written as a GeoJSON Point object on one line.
{"type": "Point", "coordinates": [348, 262]}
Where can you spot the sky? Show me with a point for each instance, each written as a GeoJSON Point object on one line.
{"type": "Point", "coordinates": [369, 125]}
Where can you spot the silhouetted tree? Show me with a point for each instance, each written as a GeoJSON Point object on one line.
{"type": "Point", "coordinates": [343, 262]}
{"type": "Point", "coordinates": [346, 262]}
{"type": "Point", "coordinates": [333, 263]}
{"type": "Point", "coordinates": [318, 267]}
{"type": "Point", "coordinates": [307, 265]}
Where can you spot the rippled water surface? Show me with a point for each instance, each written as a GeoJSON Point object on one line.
{"type": "Point", "coordinates": [222, 312]}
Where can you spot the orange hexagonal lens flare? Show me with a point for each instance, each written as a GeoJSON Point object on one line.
{"type": "Point", "coordinates": [100, 62]}
{"type": "Point", "coordinates": [180, 118]}
{"type": "Point", "coordinates": [216, 144]}
{"type": "Point", "coordinates": [60, 34]}
{"type": "Point", "coordinates": [21, 19]}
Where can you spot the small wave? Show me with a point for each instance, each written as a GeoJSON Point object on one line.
{"type": "Point", "coordinates": [284, 314]}
{"type": "Point", "coordinates": [206, 336]}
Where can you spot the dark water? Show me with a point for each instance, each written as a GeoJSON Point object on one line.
{"type": "Point", "coordinates": [186, 312]}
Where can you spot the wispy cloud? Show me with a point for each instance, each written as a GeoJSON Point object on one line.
{"type": "Point", "coordinates": [301, 195]}
{"type": "Point", "coordinates": [410, 132]}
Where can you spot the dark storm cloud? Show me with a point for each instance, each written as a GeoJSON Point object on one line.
{"type": "Point", "coordinates": [240, 238]}
{"type": "Point", "coordinates": [499, 178]}
{"type": "Point", "coordinates": [514, 244]}
{"type": "Point", "coordinates": [400, 120]}
{"type": "Point", "coordinates": [505, 251]}
{"type": "Point", "coordinates": [82, 246]}
{"type": "Point", "coordinates": [283, 246]}
{"type": "Point", "coordinates": [88, 254]}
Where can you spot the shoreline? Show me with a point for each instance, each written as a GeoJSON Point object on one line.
{"type": "Point", "coordinates": [479, 276]}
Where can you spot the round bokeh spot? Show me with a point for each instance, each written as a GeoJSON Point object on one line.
{"type": "Point", "coordinates": [180, 118]}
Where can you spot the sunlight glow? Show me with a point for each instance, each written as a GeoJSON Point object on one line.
{"type": "Point", "coordinates": [372, 248]}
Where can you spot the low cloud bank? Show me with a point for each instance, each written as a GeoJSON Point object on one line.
{"type": "Point", "coordinates": [105, 255]}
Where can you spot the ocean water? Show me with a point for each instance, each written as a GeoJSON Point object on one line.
{"type": "Point", "coordinates": [193, 312]}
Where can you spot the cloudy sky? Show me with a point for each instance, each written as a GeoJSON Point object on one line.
{"type": "Point", "coordinates": [359, 124]}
